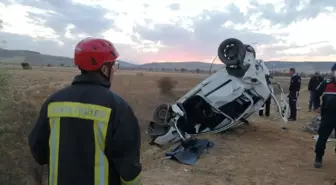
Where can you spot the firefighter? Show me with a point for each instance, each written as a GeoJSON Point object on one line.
{"type": "Point", "coordinates": [87, 134]}
{"type": "Point", "coordinates": [294, 89]}
{"type": "Point", "coordinates": [327, 88]}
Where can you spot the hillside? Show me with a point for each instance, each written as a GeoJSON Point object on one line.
{"type": "Point", "coordinates": [272, 65]}
{"type": "Point", "coordinates": [322, 66]}
{"type": "Point", "coordinates": [36, 58]}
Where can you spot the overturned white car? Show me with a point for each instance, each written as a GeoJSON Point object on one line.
{"type": "Point", "coordinates": [222, 101]}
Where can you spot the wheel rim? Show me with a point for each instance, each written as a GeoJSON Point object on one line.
{"type": "Point", "coordinates": [161, 114]}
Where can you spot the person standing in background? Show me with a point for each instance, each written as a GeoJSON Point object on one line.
{"type": "Point", "coordinates": [314, 81]}
{"type": "Point", "coordinates": [267, 107]}
{"type": "Point", "coordinates": [267, 104]}
{"type": "Point", "coordinates": [294, 89]}
{"type": "Point", "coordinates": [327, 109]}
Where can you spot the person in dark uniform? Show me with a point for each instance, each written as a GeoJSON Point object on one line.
{"type": "Point", "coordinates": [86, 133]}
{"type": "Point", "coordinates": [314, 81]}
{"type": "Point", "coordinates": [266, 107]}
{"type": "Point", "coordinates": [294, 89]}
{"type": "Point", "coordinates": [327, 88]}
{"type": "Point", "coordinates": [267, 104]}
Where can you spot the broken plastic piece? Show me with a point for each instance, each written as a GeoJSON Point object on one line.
{"type": "Point", "coordinates": [190, 150]}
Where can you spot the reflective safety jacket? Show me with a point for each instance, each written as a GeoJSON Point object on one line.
{"type": "Point", "coordinates": [326, 89]}
{"type": "Point", "coordinates": [87, 135]}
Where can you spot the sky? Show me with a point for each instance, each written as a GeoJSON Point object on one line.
{"type": "Point", "coordinates": [169, 30]}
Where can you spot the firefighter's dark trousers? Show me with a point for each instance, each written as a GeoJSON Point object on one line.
{"type": "Point", "coordinates": [327, 125]}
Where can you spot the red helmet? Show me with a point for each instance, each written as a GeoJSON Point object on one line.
{"type": "Point", "coordinates": [92, 53]}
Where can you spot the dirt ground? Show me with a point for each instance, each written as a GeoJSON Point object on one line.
{"type": "Point", "coordinates": [259, 154]}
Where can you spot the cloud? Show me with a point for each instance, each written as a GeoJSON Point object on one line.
{"type": "Point", "coordinates": [291, 11]}
{"type": "Point", "coordinates": [145, 5]}
{"type": "Point", "coordinates": [148, 30]}
{"type": "Point", "coordinates": [25, 42]}
{"type": "Point", "coordinates": [307, 52]}
{"type": "Point", "coordinates": [203, 36]}
{"type": "Point", "coordinates": [174, 6]}
{"type": "Point", "coordinates": [85, 19]}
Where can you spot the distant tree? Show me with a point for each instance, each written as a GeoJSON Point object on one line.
{"type": "Point", "coordinates": [62, 65]}
{"type": "Point", "coordinates": [49, 65]}
{"type": "Point", "coordinates": [198, 70]}
{"type": "Point", "coordinates": [162, 69]}
{"type": "Point", "coordinates": [25, 65]}
{"type": "Point", "coordinates": [182, 69]}
{"type": "Point", "coordinates": [302, 74]}
{"type": "Point", "coordinates": [325, 75]}
{"type": "Point", "coordinates": [166, 85]}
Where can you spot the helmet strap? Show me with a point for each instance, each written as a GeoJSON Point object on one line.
{"type": "Point", "coordinates": [107, 77]}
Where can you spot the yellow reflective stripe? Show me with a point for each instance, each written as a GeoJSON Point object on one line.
{"type": "Point", "coordinates": [79, 110]}
{"type": "Point", "coordinates": [54, 124]}
{"type": "Point", "coordinates": [101, 163]}
{"type": "Point", "coordinates": [135, 181]}
{"type": "Point", "coordinates": [100, 115]}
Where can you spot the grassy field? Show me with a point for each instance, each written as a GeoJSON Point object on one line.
{"type": "Point", "coordinates": [259, 154]}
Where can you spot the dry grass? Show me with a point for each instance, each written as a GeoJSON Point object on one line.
{"type": "Point", "coordinates": [17, 115]}
{"type": "Point", "coordinates": [258, 154]}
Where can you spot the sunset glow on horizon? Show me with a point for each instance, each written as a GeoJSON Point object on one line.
{"type": "Point", "coordinates": [173, 31]}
